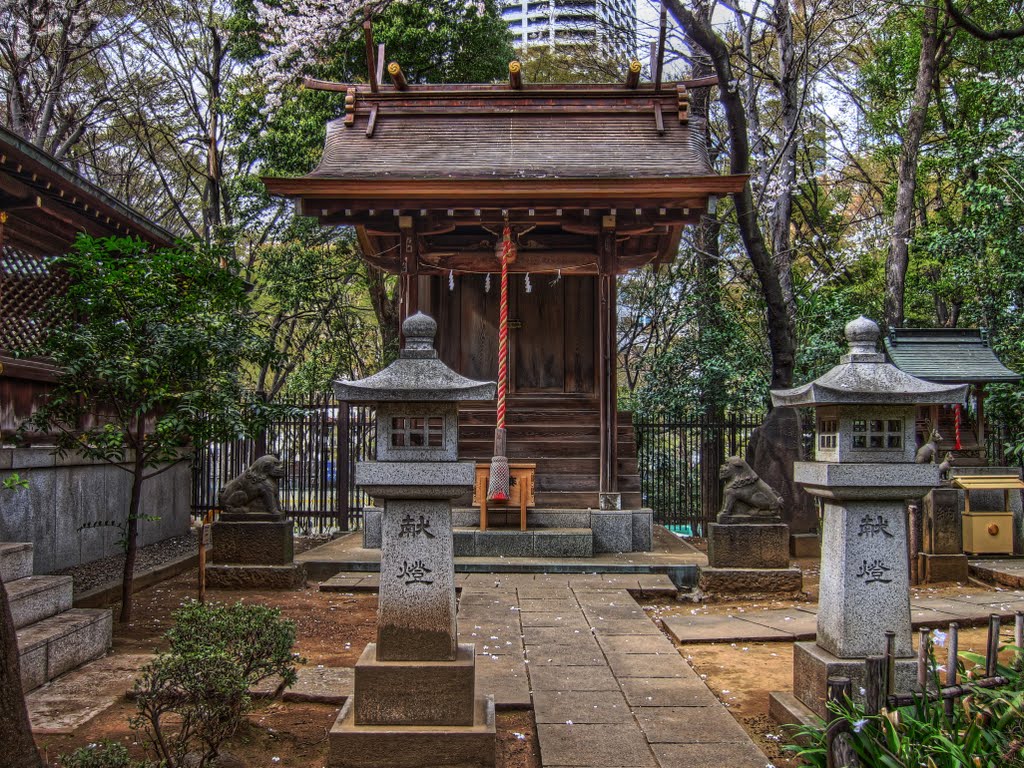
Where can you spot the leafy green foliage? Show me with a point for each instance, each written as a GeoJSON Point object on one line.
{"type": "Point", "coordinates": [14, 482]}
{"type": "Point", "coordinates": [192, 698]}
{"type": "Point", "coordinates": [255, 636]}
{"type": "Point", "coordinates": [985, 729]}
{"type": "Point", "coordinates": [103, 754]}
{"type": "Point", "coordinates": [161, 335]}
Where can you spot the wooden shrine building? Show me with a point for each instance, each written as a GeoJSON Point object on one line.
{"type": "Point", "coordinates": [952, 355]}
{"type": "Point", "coordinates": [593, 180]}
{"type": "Point", "coordinates": [44, 206]}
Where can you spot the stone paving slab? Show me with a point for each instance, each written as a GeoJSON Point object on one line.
{"type": "Point", "coordinates": [547, 636]}
{"type": "Point", "coordinates": [800, 625]}
{"type": "Point", "coordinates": [505, 678]}
{"type": "Point", "coordinates": [625, 627]}
{"type": "Point", "coordinates": [581, 707]}
{"type": "Point", "coordinates": [64, 704]}
{"type": "Point", "coordinates": [667, 692]}
{"type": "Point", "coordinates": [323, 685]}
{"type": "Point", "coordinates": [572, 619]}
{"type": "Point", "coordinates": [733, 755]}
{"type": "Point", "coordinates": [719, 628]}
{"type": "Point", "coordinates": [635, 644]}
{"type": "Point", "coordinates": [1009, 572]}
{"type": "Point", "coordinates": [608, 745]}
{"type": "Point", "coordinates": [649, 665]}
{"type": "Point", "coordinates": [551, 678]}
{"type": "Point", "coordinates": [688, 725]}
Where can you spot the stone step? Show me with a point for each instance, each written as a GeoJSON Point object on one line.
{"type": "Point", "coordinates": [15, 560]}
{"type": "Point", "coordinates": [542, 542]}
{"type": "Point", "coordinates": [583, 499]}
{"type": "Point", "coordinates": [53, 646]}
{"type": "Point", "coordinates": [35, 598]}
{"type": "Point", "coordinates": [469, 517]}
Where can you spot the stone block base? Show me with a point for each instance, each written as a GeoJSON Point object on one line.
{"type": "Point", "coordinates": [732, 581]}
{"type": "Point", "coordinates": [933, 569]}
{"type": "Point", "coordinates": [255, 576]}
{"type": "Point", "coordinates": [748, 545]}
{"type": "Point", "coordinates": [415, 692]}
{"type": "Point", "coordinates": [813, 666]}
{"type": "Point", "coordinates": [414, 746]}
{"type": "Point", "coordinates": [786, 709]}
{"type": "Point", "coordinates": [253, 543]}
{"type": "Point", "coordinates": [805, 545]}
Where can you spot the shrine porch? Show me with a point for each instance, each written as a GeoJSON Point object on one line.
{"type": "Point", "coordinates": [669, 556]}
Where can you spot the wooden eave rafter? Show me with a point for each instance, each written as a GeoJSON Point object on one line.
{"type": "Point", "coordinates": [38, 193]}
{"type": "Point", "coordinates": [442, 194]}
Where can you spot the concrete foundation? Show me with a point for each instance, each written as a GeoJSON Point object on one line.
{"type": "Point", "coordinates": [813, 666]}
{"type": "Point", "coordinates": [938, 568]}
{"type": "Point", "coordinates": [805, 545]}
{"type": "Point", "coordinates": [433, 692]}
{"type": "Point", "coordinates": [748, 545]}
{"type": "Point", "coordinates": [723, 581]}
{"type": "Point", "coordinates": [414, 746]}
{"type": "Point", "coordinates": [238, 542]}
{"type": "Point", "coordinates": [291, 576]}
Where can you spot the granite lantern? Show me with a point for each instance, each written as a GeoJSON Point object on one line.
{"type": "Point", "coordinates": [864, 470]}
{"type": "Point", "coordinates": [415, 702]}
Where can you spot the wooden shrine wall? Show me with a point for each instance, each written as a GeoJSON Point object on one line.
{"type": "Point", "coordinates": [552, 330]}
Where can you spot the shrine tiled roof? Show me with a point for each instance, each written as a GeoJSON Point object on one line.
{"type": "Point", "coordinates": [947, 355]}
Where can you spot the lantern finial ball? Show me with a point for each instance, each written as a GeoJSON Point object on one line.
{"type": "Point", "coordinates": [863, 334]}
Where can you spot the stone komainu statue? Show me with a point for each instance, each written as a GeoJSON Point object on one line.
{"type": "Point", "coordinates": [255, 491]}
{"type": "Point", "coordinates": [746, 498]}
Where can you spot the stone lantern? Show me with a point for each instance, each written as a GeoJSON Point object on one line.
{"type": "Point", "coordinates": [415, 702]}
{"type": "Point", "coordinates": [864, 471]}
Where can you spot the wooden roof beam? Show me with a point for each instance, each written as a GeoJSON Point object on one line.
{"type": "Point", "coordinates": [397, 76]}
{"type": "Point", "coordinates": [515, 75]}
{"type": "Point", "coordinates": [633, 74]}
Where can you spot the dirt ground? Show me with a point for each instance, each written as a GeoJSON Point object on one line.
{"type": "Point", "coordinates": [331, 629]}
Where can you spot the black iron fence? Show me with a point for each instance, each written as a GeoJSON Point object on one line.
{"type": "Point", "coordinates": [319, 444]}
{"type": "Point", "coordinates": [678, 461]}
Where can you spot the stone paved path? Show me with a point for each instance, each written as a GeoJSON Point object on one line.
{"type": "Point", "coordinates": [800, 623]}
{"type": "Point", "coordinates": [609, 690]}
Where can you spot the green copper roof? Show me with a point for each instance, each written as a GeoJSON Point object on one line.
{"type": "Point", "coordinates": [947, 355]}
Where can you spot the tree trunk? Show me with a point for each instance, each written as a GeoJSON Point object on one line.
{"type": "Point", "coordinates": [906, 184]}
{"type": "Point", "coordinates": [789, 103]}
{"type": "Point", "coordinates": [781, 334]}
{"type": "Point", "coordinates": [385, 308]}
{"type": "Point", "coordinates": [131, 533]}
{"type": "Point", "coordinates": [19, 749]}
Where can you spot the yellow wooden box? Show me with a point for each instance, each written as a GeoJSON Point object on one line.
{"type": "Point", "coordinates": [988, 532]}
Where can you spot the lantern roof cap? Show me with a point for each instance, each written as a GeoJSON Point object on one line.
{"type": "Point", "coordinates": [417, 376]}
{"type": "Point", "coordinates": [863, 377]}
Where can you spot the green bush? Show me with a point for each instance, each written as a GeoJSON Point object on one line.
{"type": "Point", "coordinates": [105, 754]}
{"type": "Point", "coordinates": [192, 697]}
{"type": "Point", "coordinates": [255, 636]}
{"type": "Point", "coordinates": [984, 730]}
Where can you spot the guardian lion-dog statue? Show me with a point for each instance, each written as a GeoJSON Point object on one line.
{"type": "Point", "coordinates": [746, 498]}
{"type": "Point", "coordinates": [255, 491]}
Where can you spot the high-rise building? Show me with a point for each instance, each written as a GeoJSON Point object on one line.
{"type": "Point", "coordinates": [608, 25]}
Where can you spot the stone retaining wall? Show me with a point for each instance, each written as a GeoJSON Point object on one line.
{"type": "Point", "coordinates": [66, 493]}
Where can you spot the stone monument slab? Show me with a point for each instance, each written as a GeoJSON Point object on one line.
{"type": "Point", "coordinates": [748, 545]}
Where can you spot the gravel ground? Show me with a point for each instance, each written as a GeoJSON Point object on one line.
{"type": "Point", "coordinates": [108, 569]}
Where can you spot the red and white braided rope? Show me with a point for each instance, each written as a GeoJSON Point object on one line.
{"type": "Point", "coordinates": [956, 425]}
{"type": "Point", "coordinates": [506, 254]}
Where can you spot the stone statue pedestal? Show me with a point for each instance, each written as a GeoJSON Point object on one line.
{"type": "Point", "coordinates": [254, 551]}
{"type": "Point", "coordinates": [942, 555]}
{"type": "Point", "coordinates": [749, 557]}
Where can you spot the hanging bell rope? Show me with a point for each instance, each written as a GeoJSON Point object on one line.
{"type": "Point", "coordinates": [956, 426]}
{"type": "Point", "coordinates": [498, 484]}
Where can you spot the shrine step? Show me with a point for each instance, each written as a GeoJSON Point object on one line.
{"type": "Point", "coordinates": [15, 560]}
{"type": "Point", "coordinates": [35, 598]}
{"type": "Point", "coordinates": [542, 542]}
{"type": "Point", "coordinates": [53, 646]}
{"type": "Point", "coordinates": [583, 499]}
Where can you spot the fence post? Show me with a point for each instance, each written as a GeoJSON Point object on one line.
{"type": "Point", "coordinates": [260, 439]}
{"type": "Point", "coordinates": [342, 501]}
{"type": "Point", "coordinates": [875, 688]}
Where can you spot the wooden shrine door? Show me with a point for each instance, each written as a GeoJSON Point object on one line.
{"type": "Point", "coordinates": [552, 335]}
